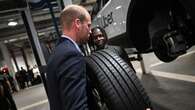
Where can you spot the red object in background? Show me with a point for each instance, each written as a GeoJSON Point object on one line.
{"type": "Point", "coordinates": [5, 70]}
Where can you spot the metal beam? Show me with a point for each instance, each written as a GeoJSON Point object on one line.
{"type": "Point", "coordinates": [36, 47]}
{"type": "Point", "coordinates": [67, 2]}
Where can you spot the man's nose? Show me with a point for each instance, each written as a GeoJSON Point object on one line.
{"type": "Point", "coordinates": [90, 31]}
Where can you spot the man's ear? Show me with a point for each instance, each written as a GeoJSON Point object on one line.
{"type": "Point", "coordinates": [77, 23]}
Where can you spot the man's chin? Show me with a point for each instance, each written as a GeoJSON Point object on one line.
{"type": "Point", "coordinates": [83, 41]}
{"type": "Point", "coordinates": [100, 46]}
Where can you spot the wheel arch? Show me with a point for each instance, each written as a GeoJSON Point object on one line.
{"type": "Point", "coordinates": [140, 18]}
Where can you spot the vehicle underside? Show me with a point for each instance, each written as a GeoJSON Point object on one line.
{"type": "Point", "coordinates": [165, 27]}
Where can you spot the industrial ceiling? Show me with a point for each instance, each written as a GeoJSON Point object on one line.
{"type": "Point", "coordinates": [10, 11]}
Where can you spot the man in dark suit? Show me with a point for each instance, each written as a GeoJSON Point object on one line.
{"type": "Point", "coordinates": [66, 69]}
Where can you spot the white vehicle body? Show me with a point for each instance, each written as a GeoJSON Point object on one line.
{"type": "Point", "coordinates": [112, 17]}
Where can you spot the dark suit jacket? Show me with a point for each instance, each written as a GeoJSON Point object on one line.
{"type": "Point", "coordinates": [66, 78]}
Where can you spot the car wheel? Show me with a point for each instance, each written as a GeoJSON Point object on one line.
{"type": "Point", "coordinates": [116, 82]}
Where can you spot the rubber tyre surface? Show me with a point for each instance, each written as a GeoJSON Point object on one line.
{"type": "Point", "coordinates": [116, 82]}
{"type": "Point", "coordinates": [121, 53]}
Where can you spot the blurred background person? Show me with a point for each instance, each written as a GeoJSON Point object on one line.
{"type": "Point", "coordinates": [6, 100]}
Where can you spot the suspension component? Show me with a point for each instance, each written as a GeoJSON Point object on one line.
{"type": "Point", "coordinates": [168, 45]}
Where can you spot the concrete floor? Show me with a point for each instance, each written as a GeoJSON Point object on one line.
{"type": "Point", "coordinates": [33, 98]}
{"type": "Point", "coordinates": [170, 85]}
{"type": "Point", "coordinates": [169, 94]}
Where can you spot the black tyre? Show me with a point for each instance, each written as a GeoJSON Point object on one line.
{"type": "Point", "coordinates": [121, 53]}
{"type": "Point", "coordinates": [116, 82]}
{"type": "Point", "coordinates": [161, 49]}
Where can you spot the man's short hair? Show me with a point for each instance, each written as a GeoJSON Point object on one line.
{"type": "Point", "coordinates": [70, 13]}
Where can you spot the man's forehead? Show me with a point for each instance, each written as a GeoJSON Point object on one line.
{"type": "Point", "coordinates": [88, 18]}
{"type": "Point", "coordinates": [97, 33]}
{"type": "Point", "coordinates": [97, 30]}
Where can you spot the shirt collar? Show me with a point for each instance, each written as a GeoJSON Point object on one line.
{"type": "Point", "coordinates": [75, 44]}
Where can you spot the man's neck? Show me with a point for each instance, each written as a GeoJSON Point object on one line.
{"type": "Point", "coordinates": [70, 35]}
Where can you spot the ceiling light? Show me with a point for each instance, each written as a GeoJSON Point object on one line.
{"type": "Point", "coordinates": [12, 23]}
